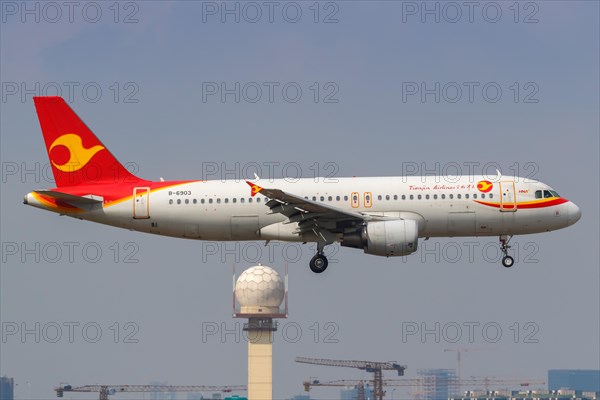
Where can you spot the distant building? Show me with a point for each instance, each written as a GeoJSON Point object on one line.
{"type": "Point", "coordinates": [301, 397]}
{"type": "Point", "coordinates": [7, 386]}
{"type": "Point", "coordinates": [159, 394]}
{"type": "Point", "coordinates": [195, 396]}
{"type": "Point", "coordinates": [352, 394]}
{"type": "Point", "coordinates": [528, 395]}
{"type": "Point", "coordinates": [441, 384]}
{"type": "Point", "coordinates": [587, 380]}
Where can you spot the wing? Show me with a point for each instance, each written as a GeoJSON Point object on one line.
{"type": "Point", "coordinates": [322, 219]}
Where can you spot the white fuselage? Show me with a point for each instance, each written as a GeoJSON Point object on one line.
{"type": "Point", "coordinates": [442, 206]}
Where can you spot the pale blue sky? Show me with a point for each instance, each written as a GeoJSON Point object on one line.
{"type": "Point", "coordinates": [169, 54]}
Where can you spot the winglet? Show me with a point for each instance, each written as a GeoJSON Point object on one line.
{"type": "Point", "coordinates": [255, 189]}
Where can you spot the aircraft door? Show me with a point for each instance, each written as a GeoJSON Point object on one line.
{"type": "Point", "coordinates": [508, 196]}
{"type": "Point", "coordinates": [141, 202]}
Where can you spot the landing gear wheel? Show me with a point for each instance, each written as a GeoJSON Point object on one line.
{"type": "Point", "coordinates": [508, 261]}
{"type": "Point", "coordinates": [318, 263]}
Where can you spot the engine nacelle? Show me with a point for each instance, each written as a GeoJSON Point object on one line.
{"type": "Point", "coordinates": [385, 238]}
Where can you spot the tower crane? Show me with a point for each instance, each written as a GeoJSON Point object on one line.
{"type": "Point", "coordinates": [459, 352]}
{"type": "Point", "coordinates": [374, 367]}
{"type": "Point", "coordinates": [105, 390]}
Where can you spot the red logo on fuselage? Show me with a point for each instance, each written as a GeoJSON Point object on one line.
{"type": "Point", "coordinates": [485, 186]}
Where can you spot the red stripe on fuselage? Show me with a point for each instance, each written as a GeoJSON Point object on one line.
{"type": "Point", "coordinates": [528, 204]}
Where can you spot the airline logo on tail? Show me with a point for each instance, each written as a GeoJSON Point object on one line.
{"type": "Point", "coordinates": [68, 154]}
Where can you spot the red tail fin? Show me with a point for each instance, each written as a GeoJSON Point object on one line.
{"type": "Point", "coordinates": [76, 155]}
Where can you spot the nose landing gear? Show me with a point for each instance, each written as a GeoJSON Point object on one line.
{"type": "Point", "coordinates": [507, 260]}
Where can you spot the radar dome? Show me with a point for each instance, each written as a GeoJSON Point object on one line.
{"type": "Point", "coordinates": [259, 289]}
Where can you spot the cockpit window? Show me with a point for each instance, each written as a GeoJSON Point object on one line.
{"type": "Point", "coordinates": [547, 194]}
{"type": "Point", "coordinates": [538, 194]}
{"type": "Point", "coordinates": [554, 193]}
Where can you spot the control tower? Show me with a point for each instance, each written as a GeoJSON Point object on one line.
{"type": "Point", "coordinates": [259, 291]}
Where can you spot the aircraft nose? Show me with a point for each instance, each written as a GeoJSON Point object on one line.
{"type": "Point", "coordinates": [574, 213]}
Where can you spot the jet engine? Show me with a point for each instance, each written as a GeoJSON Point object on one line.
{"type": "Point", "coordinates": [385, 238]}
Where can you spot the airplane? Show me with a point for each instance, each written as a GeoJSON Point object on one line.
{"type": "Point", "coordinates": [383, 216]}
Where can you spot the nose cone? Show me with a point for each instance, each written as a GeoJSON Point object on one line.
{"type": "Point", "coordinates": [573, 212]}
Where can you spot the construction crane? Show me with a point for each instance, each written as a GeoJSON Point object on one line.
{"type": "Point", "coordinates": [374, 367]}
{"type": "Point", "coordinates": [459, 352]}
{"type": "Point", "coordinates": [105, 390]}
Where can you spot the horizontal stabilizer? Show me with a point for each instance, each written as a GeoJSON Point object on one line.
{"type": "Point", "coordinates": [72, 199]}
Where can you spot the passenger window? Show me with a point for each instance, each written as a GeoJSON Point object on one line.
{"type": "Point", "coordinates": [171, 201]}
{"type": "Point", "coordinates": [403, 197]}
{"type": "Point", "coordinates": [419, 197]}
{"type": "Point", "coordinates": [187, 201]}
{"type": "Point", "coordinates": [443, 196]}
{"type": "Point", "coordinates": [379, 197]}
{"type": "Point", "coordinates": [314, 198]}
{"type": "Point", "coordinates": [483, 195]}
{"type": "Point", "coordinates": [491, 195]}
{"type": "Point", "coordinates": [467, 196]}
{"type": "Point", "coordinates": [258, 200]}
{"type": "Point", "coordinates": [234, 200]}
{"type": "Point", "coordinates": [451, 196]}
{"type": "Point", "coordinates": [195, 201]}
{"type": "Point", "coordinates": [210, 201]}
{"type": "Point", "coordinates": [474, 195]}
{"type": "Point", "coordinates": [178, 201]}
{"type": "Point", "coordinates": [427, 197]}
{"type": "Point", "coordinates": [412, 197]}
{"type": "Point", "coordinates": [435, 196]}
{"type": "Point", "coordinates": [538, 194]}
{"type": "Point", "coordinates": [387, 197]}
{"type": "Point", "coordinates": [322, 198]}
{"type": "Point", "coordinates": [345, 198]}
{"type": "Point", "coordinates": [330, 198]}
{"type": "Point", "coordinates": [458, 196]}
{"type": "Point", "coordinates": [337, 198]}
{"type": "Point", "coordinates": [250, 200]}
{"type": "Point", "coordinates": [219, 201]}
{"type": "Point", "coordinates": [226, 200]}
{"type": "Point", "coordinates": [395, 197]}
{"type": "Point", "coordinates": [242, 200]}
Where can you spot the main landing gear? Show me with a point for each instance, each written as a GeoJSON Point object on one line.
{"type": "Point", "coordinates": [507, 260]}
{"type": "Point", "coordinates": [319, 262]}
